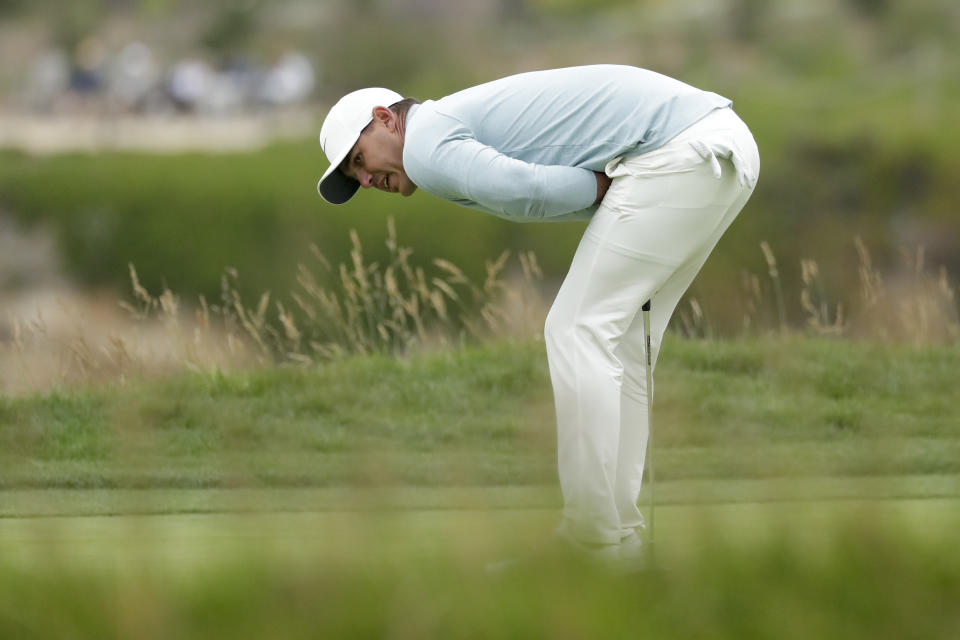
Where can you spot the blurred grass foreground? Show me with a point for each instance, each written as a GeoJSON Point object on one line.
{"type": "Point", "coordinates": [806, 488]}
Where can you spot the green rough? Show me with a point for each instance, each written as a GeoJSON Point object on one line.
{"type": "Point", "coordinates": [482, 416]}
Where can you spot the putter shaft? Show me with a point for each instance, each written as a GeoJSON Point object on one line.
{"type": "Point", "coordinates": [650, 471]}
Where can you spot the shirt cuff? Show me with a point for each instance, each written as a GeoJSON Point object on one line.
{"type": "Point", "coordinates": [569, 189]}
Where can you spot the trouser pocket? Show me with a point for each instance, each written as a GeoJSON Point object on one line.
{"type": "Point", "coordinates": [719, 136]}
{"type": "Point", "coordinates": [712, 149]}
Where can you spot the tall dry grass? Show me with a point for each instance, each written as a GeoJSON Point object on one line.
{"type": "Point", "coordinates": [389, 308]}
{"type": "Point", "coordinates": [396, 307]}
{"type": "Point", "coordinates": [380, 308]}
{"type": "Point", "coordinates": [913, 304]}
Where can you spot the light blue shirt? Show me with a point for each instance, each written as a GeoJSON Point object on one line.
{"type": "Point", "coordinates": [525, 147]}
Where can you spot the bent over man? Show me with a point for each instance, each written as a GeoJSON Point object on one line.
{"type": "Point", "coordinates": [659, 168]}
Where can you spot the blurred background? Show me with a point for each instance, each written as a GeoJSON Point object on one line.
{"type": "Point", "coordinates": [180, 137]}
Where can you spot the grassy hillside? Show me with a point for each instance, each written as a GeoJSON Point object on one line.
{"type": "Point", "coordinates": [484, 416]}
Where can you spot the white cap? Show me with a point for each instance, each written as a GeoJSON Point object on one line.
{"type": "Point", "coordinates": [340, 132]}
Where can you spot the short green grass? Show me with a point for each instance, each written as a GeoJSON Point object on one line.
{"type": "Point", "coordinates": [484, 416]}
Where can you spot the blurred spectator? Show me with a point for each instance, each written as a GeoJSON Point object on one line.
{"type": "Point", "coordinates": [289, 81]}
{"type": "Point", "coordinates": [86, 76]}
{"type": "Point", "coordinates": [133, 75]}
{"type": "Point", "coordinates": [225, 93]}
{"type": "Point", "coordinates": [231, 87]}
{"type": "Point", "coordinates": [189, 81]}
{"type": "Point", "coordinates": [133, 81]}
{"type": "Point", "coordinates": [47, 79]}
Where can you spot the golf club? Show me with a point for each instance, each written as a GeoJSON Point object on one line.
{"type": "Point", "coordinates": [650, 473]}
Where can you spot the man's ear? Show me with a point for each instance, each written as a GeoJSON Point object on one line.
{"type": "Point", "coordinates": [384, 116]}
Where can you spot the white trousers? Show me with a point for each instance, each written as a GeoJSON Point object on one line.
{"type": "Point", "coordinates": [662, 216]}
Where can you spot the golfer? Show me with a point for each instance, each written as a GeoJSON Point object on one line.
{"type": "Point", "coordinates": [659, 168]}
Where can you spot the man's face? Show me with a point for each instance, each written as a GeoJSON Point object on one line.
{"type": "Point", "coordinates": [376, 160]}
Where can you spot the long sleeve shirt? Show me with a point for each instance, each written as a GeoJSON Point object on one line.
{"type": "Point", "coordinates": [525, 147]}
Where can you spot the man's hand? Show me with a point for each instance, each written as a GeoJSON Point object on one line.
{"type": "Point", "coordinates": [603, 183]}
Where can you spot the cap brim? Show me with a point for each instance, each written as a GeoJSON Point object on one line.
{"type": "Point", "coordinates": [335, 186]}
